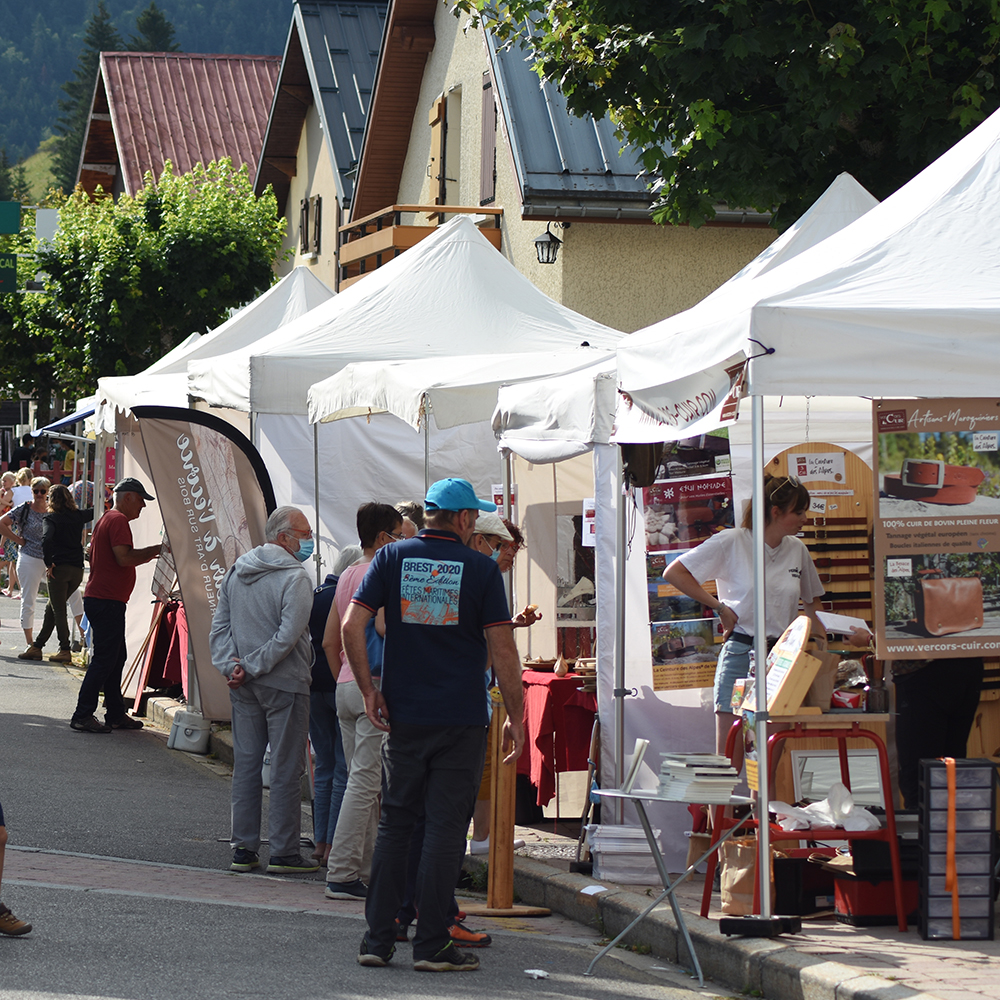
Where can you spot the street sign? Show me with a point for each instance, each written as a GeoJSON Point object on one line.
{"type": "Point", "coordinates": [8, 273]}
{"type": "Point", "coordinates": [10, 218]}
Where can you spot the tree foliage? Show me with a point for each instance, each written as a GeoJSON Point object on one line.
{"type": "Point", "coordinates": [156, 33]}
{"type": "Point", "coordinates": [100, 36]}
{"type": "Point", "coordinates": [761, 103]}
{"type": "Point", "coordinates": [128, 280]}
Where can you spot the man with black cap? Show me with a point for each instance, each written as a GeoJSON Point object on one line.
{"type": "Point", "coordinates": [445, 609]}
{"type": "Point", "coordinates": [112, 578]}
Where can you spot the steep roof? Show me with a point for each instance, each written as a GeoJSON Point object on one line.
{"type": "Point", "coordinates": [330, 59]}
{"type": "Point", "coordinates": [154, 106]}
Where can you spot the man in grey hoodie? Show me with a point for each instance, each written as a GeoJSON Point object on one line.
{"type": "Point", "coordinates": [260, 642]}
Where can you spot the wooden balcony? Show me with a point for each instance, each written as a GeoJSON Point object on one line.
{"type": "Point", "coordinates": [368, 243]}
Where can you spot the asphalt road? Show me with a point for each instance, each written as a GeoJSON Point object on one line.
{"type": "Point", "coordinates": [117, 855]}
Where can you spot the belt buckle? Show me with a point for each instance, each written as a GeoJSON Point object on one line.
{"type": "Point", "coordinates": [911, 464]}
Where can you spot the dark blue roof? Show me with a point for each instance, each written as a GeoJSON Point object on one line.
{"type": "Point", "coordinates": [560, 159]}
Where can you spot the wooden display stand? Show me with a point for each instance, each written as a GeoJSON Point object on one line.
{"type": "Point", "coordinates": [500, 883]}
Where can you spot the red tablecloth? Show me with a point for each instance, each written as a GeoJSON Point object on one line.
{"type": "Point", "coordinates": [558, 720]}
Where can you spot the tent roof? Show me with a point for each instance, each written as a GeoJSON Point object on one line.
{"type": "Point", "coordinates": [452, 294]}
{"type": "Point", "coordinates": [460, 390]}
{"type": "Point", "coordinates": [904, 300]}
{"type": "Point", "coordinates": [165, 382]}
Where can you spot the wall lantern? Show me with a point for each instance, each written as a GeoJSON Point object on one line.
{"type": "Point", "coordinates": [547, 245]}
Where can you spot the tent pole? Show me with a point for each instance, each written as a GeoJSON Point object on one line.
{"type": "Point", "coordinates": [760, 657]}
{"type": "Point", "coordinates": [508, 513]}
{"type": "Point", "coordinates": [427, 444]}
{"type": "Point", "coordinates": [316, 556]}
{"type": "Point", "coordinates": [619, 692]}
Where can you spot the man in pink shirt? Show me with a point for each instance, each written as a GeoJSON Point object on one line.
{"type": "Point", "coordinates": [350, 858]}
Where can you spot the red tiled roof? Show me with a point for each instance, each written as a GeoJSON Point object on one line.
{"type": "Point", "coordinates": [155, 106]}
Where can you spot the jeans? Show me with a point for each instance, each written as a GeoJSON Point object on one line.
{"type": "Point", "coordinates": [107, 621]}
{"type": "Point", "coordinates": [935, 708]}
{"type": "Point", "coordinates": [263, 715]}
{"type": "Point", "coordinates": [431, 772]}
{"type": "Point", "coordinates": [331, 766]}
{"type": "Point", "coordinates": [64, 581]}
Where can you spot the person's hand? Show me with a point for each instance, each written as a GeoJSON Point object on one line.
{"type": "Point", "coordinates": [50, 571]}
{"type": "Point", "coordinates": [729, 619]}
{"type": "Point", "coordinates": [527, 617]}
{"type": "Point", "coordinates": [860, 638]}
{"type": "Point", "coordinates": [377, 710]}
{"type": "Point", "coordinates": [238, 677]}
{"type": "Point", "coordinates": [512, 741]}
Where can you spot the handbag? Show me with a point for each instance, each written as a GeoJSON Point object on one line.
{"type": "Point", "coordinates": [946, 605]}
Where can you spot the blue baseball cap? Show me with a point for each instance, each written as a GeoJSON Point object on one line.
{"type": "Point", "coordinates": [455, 494]}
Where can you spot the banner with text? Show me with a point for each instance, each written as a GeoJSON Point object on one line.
{"type": "Point", "coordinates": [215, 496]}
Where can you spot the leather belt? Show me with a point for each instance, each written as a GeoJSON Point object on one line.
{"type": "Point", "coordinates": [844, 577]}
{"type": "Point", "coordinates": [829, 532]}
{"type": "Point", "coordinates": [826, 563]}
{"type": "Point", "coordinates": [835, 522]}
{"type": "Point", "coordinates": [840, 547]}
{"type": "Point", "coordinates": [846, 595]}
{"type": "Point", "coordinates": [932, 481]}
{"type": "Point", "coordinates": [747, 640]}
{"type": "Point", "coordinates": [844, 605]}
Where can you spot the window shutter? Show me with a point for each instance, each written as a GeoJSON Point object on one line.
{"type": "Point", "coordinates": [436, 171]}
{"type": "Point", "coordinates": [316, 203]}
{"type": "Point", "coordinates": [304, 226]}
{"type": "Point", "coordinates": [488, 146]}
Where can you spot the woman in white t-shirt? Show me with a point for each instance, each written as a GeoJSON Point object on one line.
{"type": "Point", "coordinates": [727, 558]}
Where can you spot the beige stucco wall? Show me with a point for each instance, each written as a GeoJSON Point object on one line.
{"type": "Point", "coordinates": [313, 175]}
{"type": "Point", "coordinates": [624, 275]}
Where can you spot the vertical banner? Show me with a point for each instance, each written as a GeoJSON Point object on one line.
{"type": "Point", "coordinates": [937, 527]}
{"type": "Point", "coordinates": [215, 496]}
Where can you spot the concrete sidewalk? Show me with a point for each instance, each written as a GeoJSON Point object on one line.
{"type": "Point", "coordinates": [827, 961]}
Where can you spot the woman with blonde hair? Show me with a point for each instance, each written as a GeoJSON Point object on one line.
{"type": "Point", "coordinates": [62, 552]}
{"type": "Point", "coordinates": [24, 525]}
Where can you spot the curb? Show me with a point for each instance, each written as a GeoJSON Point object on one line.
{"type": "Point", "coordinates": [773, 967]}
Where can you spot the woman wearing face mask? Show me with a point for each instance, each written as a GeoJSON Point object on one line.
{"type": "Point", "coordinates": [727, 558]}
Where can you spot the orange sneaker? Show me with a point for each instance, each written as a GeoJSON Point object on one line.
{"type": "Point", "coordinates": [466, 938]}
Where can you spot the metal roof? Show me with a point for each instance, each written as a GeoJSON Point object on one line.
{"type": "Point", "coordinates": [561, 161]}
{"type": "Point", "coordinates": [176, 106]}
{"type": "Point", "coordinates": [332, 50]}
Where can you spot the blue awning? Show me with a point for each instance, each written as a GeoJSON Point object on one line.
{"type": "Point", "coordinates": [65, 422]}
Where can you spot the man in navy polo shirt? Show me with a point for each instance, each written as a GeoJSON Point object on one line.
{"type": "Point", "coordinates": [445, 610]}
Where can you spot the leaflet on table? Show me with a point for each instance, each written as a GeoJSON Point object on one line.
{"type": "Point", "coordinates": [937, 527]}
{"type": "Point", "coordinates": [685, 653]}
{"type": "Point", "coordinates": [680, 513]}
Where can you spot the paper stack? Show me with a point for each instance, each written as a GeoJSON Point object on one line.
{"type": "Point", "coordinates": [707, 778]}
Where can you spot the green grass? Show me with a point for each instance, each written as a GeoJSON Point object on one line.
{"type": "Point", "coordinates": [38, 169]}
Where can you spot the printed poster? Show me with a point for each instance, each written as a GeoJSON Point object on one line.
{"type": "Point", "coordinates": [685, 653]}
{"type": "Point", "coordinates": [680, 513]}
{"type": "Point", "coordinates": [937, 527]}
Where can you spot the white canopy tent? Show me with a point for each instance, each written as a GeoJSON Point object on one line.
{"type": "Point", "coordinates": [451, 295]}
{"type": "Point", "coordinates": [903, 301]}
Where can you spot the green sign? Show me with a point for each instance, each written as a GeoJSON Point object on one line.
{"type": "Point", "coordinates": [10, 218]}
{"type": "Point", "coordinates": [8, 272]}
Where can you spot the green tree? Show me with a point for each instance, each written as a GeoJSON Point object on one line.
{"type": "Point", "coordinates": [13, 180]}
{"type": "Point", "coordinates": [100, 36]}
{"type": "Point", "coordinates": [761, 103]}
{"type": "Point", "coordinates": [156, 33]}
{"type": "Point", "coordinates": [128, 280]}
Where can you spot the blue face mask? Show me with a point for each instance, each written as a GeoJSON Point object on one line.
{"type": "Point", "coordinates": [306, 546]}
{"type": "Point", "coordinates": [495, 555]}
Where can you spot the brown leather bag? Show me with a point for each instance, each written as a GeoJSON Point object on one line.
{"type": "Point", "coordinates": [946, 605]}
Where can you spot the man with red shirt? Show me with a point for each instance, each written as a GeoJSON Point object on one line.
{"type": "Point", "coordinates": [112, 577]}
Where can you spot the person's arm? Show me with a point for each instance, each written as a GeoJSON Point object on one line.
{"type": "Point", "coordinates": [679, 576]}
{"type": "Point", "coordinates": [331, 640]}
{"type": "Point", "coordinates": [222, 645]}
{"type": "Point", "coordinates": [7, 530]}
{"type": "Point", "coordinates": [125, 555]}
{"type": "Point", "coordinates": [507, 667]}
{"type": "Point", "coordinates": [812, 609]}
{"type": "Point", "coordinates": [48, 543]}
{"type": "Point", "coordinates": [356, 649]}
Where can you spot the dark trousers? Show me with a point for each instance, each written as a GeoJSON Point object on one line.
{"type": "Point", "coordinates": [63, 582]}
{"type": "Point", "coordinates": [935, 709]}
{"type": "Point", "coordinates": [107, 623]}
{"type": "Point", "coordinates": [431, 772]}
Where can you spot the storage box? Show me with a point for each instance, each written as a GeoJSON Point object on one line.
{"type": "Point", "coordinates": [801, 886]}
{"type": "Point", "coordinates": [190, 731]}
{"type": "Point", "coordinates": [862, 903]}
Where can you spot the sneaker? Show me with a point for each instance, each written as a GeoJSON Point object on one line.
{"type": "Point", "coordinates": [63, 656]}
{"type": "Point", "coordinates": [124, 722]}
{"type": "Point", "coordinates": [483, 846]}
{"type": "Point", "coordinates": [31, 653]}
{"type": "Point", "coordinates": [367, 957]}
{"type": "Point", "coordinates": [448, 959]}
{"type": "Point", "coordinates": [346, 890]}
{"type": "Point", "coordinates": [244, 860]}
{"type": "Point", "coordinates": [9, 924]}
{"type": "Point", "coordinates": [292, 863]}
{"type": "Point", "coordinates": [402, 931]}
{"type": "Point", "coordinates": [461, 935]}
{"type": "Point", "coordinates": [89, 725]}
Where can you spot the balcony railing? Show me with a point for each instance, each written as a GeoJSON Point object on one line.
{"type": "Point", "coordinates": [368, 243]}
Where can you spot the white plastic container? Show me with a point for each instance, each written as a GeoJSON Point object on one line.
{"type": "Point", "coordinates": [190, 731]}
